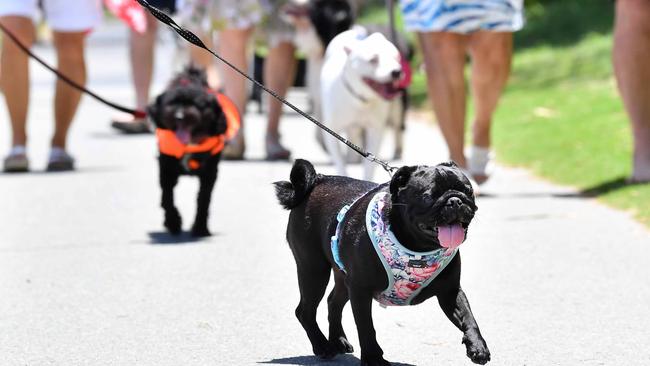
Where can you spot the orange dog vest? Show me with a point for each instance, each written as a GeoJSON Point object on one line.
{"type": "Point", "coordinates": [170, 145]}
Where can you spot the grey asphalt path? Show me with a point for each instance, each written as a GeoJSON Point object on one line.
{"type": "Point", "coordinates": [88, 277]}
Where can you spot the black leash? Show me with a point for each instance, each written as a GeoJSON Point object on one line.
{"type": "Point", "coordinates": [192, 38]}
{"type": "Point", "coordinates": [136, 113]}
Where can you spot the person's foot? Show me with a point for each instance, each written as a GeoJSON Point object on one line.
{"type": "Point", "coordinates": [641, 168]}
{"type": "Point", "coordinates": [275, 150]}
{"type": "Point", "coordinates": [234, 149]}
{"type": "Point", "coordinates": [638, 179]}
{"type": "Point", "coordinates": [16, 161]}
{"type": "Point", "coordinates": [479, 163]}
{"type": "Point", "coordinates": [60, 161]}
{"type": "Point", "coordinates": [131, 126]}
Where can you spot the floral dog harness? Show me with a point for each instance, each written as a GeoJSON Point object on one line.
{"type": "Point", "coordinates": [408, 271]}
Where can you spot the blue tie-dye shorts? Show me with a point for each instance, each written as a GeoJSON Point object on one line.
{"type": "Point", "coordinates": [462, 16]}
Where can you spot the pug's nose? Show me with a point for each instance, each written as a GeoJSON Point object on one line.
{"type": "Point", "coordinates": [395, 74]}
{"type": "Point", "coordinates": [454, 202]}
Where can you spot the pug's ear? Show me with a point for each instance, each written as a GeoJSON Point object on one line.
{"type": "Point", "coordinates": [154, 111]}
{"type": "Point", "coordinates": [401, 178]}
{"type": "Point", "coordinates": [450, 164]}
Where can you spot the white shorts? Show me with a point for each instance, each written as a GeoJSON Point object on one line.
{"type": "Point", "coordinates": [61, 15]}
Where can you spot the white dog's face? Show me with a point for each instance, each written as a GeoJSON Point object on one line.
{"type": "Point", "coordinates": [376, 61]}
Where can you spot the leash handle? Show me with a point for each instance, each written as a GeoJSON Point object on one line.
{"type": "Point", "coordinates": [134, 112]}
{"type": "Point", "coordinates": [192, 38]}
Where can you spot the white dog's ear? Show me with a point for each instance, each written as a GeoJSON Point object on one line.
{"type": "Point", "coordinates": [347, 49]}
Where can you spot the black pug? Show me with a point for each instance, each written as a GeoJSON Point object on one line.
{"type": "Point", "coordinates": [191, 127]}
{"type": "Point", "coordinates": [427, 209]}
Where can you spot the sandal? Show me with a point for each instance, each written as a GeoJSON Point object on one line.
{"type": "Point", "coordinates": [234, 149]}
{"type": "Point", "coordinates": [275, 150]}
{"type": "Point", "coordinates": [60, 161]}
{"type": "Point", "coordinates": [136, 126]}
{"type": "Point", "coordinates": [479, 163]}
{"type": "Point", "coordinates": [16, 161]}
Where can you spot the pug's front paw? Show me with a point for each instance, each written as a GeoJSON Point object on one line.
{"type": "Point", "coordinates": [477, 350]}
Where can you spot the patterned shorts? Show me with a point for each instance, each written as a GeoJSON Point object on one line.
{"type": "Point", "coordinates": [462, 16]}
{"type": "Point", "coordinates": [206, 15]}
{"type": "Point", "coordinates": [274, 28]}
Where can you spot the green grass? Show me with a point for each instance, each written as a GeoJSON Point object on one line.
{"type": "Point", "coordinates": [561, 115]}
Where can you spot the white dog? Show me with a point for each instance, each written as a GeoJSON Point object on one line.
{"type": "Point", "coordinates": [361, 74]}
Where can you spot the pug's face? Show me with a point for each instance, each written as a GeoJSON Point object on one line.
{"type": "Point", "coordinates": [436, 203]}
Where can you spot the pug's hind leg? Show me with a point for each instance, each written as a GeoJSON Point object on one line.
{"type": "Point", "coordinates": [455, 305]}
{"type": "Point", "coordinates": [312, 281]}
{"type": "Point", "coordinates": [335, 303]}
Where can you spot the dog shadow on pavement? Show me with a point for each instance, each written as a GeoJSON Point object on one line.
{"type": "Point", "coordinates": [315, 361]}
{"type": "Point", "coordinates": [165, 238]}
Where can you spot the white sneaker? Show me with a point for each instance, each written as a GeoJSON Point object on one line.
{"type": "Point", "coordinates": [479, 163]}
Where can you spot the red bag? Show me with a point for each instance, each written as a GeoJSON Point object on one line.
{"type": "Point", "coordinates": [130, 12]}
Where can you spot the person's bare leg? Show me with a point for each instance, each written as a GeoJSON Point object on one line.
{"type": "Point", "coordinates": [14, 77]}
{"type": "Point", "coordinates": [205, 60]}
{"type": "Point", "coordinates": [141, 56]}
{"type": "Point", "coordinates": [142, 50]}
{"type": "Point", "coordinates": [233, 47]}
{"type": "Point", "coordinates": [631, 54]}
{"type": "Point", "coordinates": [491, 54]}
{"type": "Point", "coordinates": [444, 60]}
{"type": "Point", "coordinates": [279, 73]}
{"type": "Point", "coordinates": [71, 62]}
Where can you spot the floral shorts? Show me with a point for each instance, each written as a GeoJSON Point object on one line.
{"type": "Point", "coordinates": [275, 28]}
{"type": "Point", "coordinates": [206, 15]}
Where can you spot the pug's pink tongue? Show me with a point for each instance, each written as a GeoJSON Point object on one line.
{"type": "Point", "coordinates": [451, 236]}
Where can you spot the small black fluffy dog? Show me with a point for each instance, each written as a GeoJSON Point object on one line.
{"type": "Point", "coordinates": [422, 203]}
{"type": "Point", "coordinates": [190, 129]}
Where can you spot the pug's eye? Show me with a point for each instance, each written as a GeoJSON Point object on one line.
{"type": "Point", "coordinates": [427, 199]}
{"type": "Point", "coordinates": [374, 61]}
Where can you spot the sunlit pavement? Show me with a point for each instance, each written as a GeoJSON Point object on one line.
{"type": "Point", "coordinates": [88, 276]}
